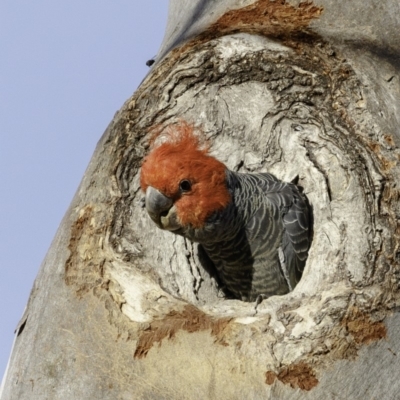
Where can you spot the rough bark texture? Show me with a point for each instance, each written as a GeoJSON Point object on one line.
{"type": "Point", "coordinates": [123, 310]}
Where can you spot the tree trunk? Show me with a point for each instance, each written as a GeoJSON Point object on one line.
{"type": "Point", "coordinates": [122, 310]}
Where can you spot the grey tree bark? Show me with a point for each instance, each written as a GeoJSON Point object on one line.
{"type": "Point", "coordinates": [122, 310]}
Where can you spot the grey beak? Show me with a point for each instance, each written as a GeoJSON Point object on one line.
{"type": "Point", "coordinates": [157, 204]}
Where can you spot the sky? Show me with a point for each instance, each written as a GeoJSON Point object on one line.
{"type": "Point", "coordinates": [66, 67]}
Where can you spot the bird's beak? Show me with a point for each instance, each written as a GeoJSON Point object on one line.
{"type": "Point", "coordinates": [161, 209]}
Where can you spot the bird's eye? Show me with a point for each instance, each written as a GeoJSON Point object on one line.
{"type": "Point", "coordinates": [185, 185]}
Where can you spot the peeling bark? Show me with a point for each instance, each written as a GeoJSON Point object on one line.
{"type": "Point", "coordinates": [139, 311]}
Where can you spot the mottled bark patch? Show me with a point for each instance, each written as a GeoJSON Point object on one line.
{"type": "Point", "coordinates": [389, 140]}
{"type": "Point", "coordinates": [77, 230]}
{"type": "Point", "coordinates": [386, 164]}
{"type": "Point", "coordinates": [269, 18]}
{"type": "Point", "coordinates": [274, 19]}
{"type": "Point", "coordinates": [363, 329]}
{"type": "Point", "coordinates": [191, 319]}
{"type": "Point", "coordinates": [84, 267]}
{"type": "Point", "coordinates": [299, 375]}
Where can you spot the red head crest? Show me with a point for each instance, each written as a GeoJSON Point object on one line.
{"type": "Point", "coordinates": [183, 158]}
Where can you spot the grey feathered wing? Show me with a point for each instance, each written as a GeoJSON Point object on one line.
{"type": "Point", "coordinates": [295, 214]}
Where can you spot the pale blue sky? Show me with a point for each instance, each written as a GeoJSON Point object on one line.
{"type": "Point", "coordinates": [65, 68]}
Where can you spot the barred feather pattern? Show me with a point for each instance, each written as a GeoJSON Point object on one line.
{"type": "Point", "coordinates": [264, 218]}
